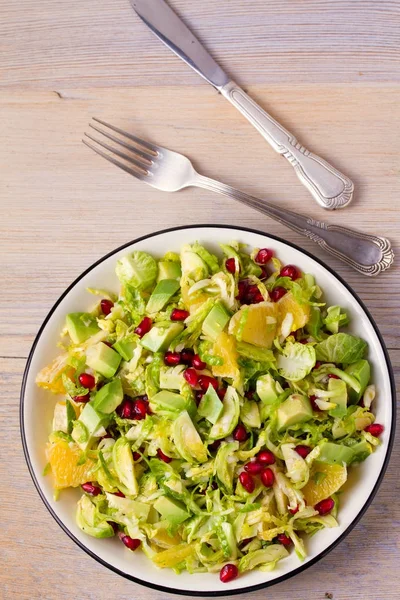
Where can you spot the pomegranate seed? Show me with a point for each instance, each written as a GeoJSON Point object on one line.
{"type": "Point", "coordinates": [242, 289]}
{"type": "Point", "coordinates": [187, 355]}
{"type": "Point", "coordinates": [303, 450]}
{"type": "Point", "coordinates": [240, 433]}
{"type": "Point", "coordinates": [106, 306]}
{"type": "Point", "coordinates": [82, 398]}
{"type": "Point", "coordinates": [228, 572]}
{"type": "Point", "coordinates": [215, 445]}
{"type": "Point", "coordinates": [254, 296]}
{"type": "Point", "coordinates": [107, 436]}
{"type": "Point", "coordinates": [375, 429]}
{"type": "Point", "coordinates": [119, 494]}
{"type": "Point", "coordinates": [191, 377]}
{"type": "Point", "coordinates": [253, 467]}
{"type": "Point", "coordinates": [221, 393]}
{"type": "Point", "coordinates": [144, 327]}
{"type": "Point", "coordinates": [293, 511]}
{"type": "Point", "coordinates": [91, 489]}
{"type": "Point", "coordinates": [247, 482]}
{"type": "Point", "coordinates": [114, 526]}
{"type": "Point", "coordinates": [314, 406]}
{"type": "Point", "coordinates": [109, 344]}
{"type": "Point", "coordinates": [136, 455]}
{"type": "Point", "coordinates": [249, 395]}
{"type": "Point", "coordinates": [125, 409]}
{"type": "Point", "coordinates": [290, 271]}
{"type": "Point", "coordinates": [284, 539]}
{"type": "Point", "coordinates": [139, 409]}
{"type": "Point", "coordinates": [325, 506]}
{"type": "Point", "coordinates": [230, 265]}
{"type": "Point", "coordinates": [277, 293]}
{"type": "Point", "coordinates": [245, 542]}
{"type": "Point", "coordinates": [87, 381]}
{"type": "Point", "coordinates": [332, 376]}
{"type": "Point", "coordinates": [263, 256]}
{"type": "Point", "coordinates": [163, 456]}
{"type": "Point", "coordinates": [268, 477]}
{"type": "Point", "coordinates": [198, 396]}
{"type": "Point", "coordinates": [361, 403]}
{"type": "Point", "coordinates": [206, 380]}
{"type": "Point", "coordinates": [317, 364]}
{"type": "Point", "coordinates": [179, 314]}
{"type": "Point", "coordinates": [266, 457]}
{"type": "Point", "coordinates": [197, 363]}
{"type": "Point", "coordinates": [129, 542]}
{"type": "Point", "coordinates": [172, 358]}
{"type": "Point", "coordinates": [214, 485]}
{"type": "Point", "coordinates": [264, 273]}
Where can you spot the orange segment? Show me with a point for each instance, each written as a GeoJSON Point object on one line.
{"type": "Point", "coordinates": [260, 325]}
{"type": "Point", "coordinates": [50, 377]}
{"type": "Point", "coordinates": [301, 312]}
{"type": "Point", "coordinates": [192, 302]}
{"type": "Point", "coordinates": [63, 460]}
{"type": "Point", "coordinates": [225, 347]}
{"type": "Point", "coordinates": [324, 481]}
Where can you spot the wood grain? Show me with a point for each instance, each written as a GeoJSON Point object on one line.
{"type": "Point", "coordinates": [329, 71]}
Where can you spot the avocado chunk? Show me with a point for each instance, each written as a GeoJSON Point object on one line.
{"type": "Point", "coordinates": [124, 465]}
{"type": "Point", "coordinates": [103, 359]}
{"type": "Point", "coordinates": [125, 348]}
{"type": "Point", "coordinates": [295, 409]}
{"type": "Point", "coordinates": [168, 269]}
{"type": "Point", "coordinates": [172, 510]}
{"type": "Point", "coordinates": [187, 439]}
{"type": "Point", "coordinates": [335, 454]}
{"type": "Point", "coordinates": [340, 398]}
{"type": "Point", "coordinates": [250, 414]}
{"type": "Point", "coordinates": [84, 429]}
{"type": "Point", "coordinates": [81, 326]}
{"type": "Point", "coordinates": [229, 417]}
{"type": "Point", "coordinates": [162, 294]}
{"type": "Point", "coordinates": [210, 405]}
{"type": "Point", "coordinates": [109, 397]}
{"type": "Point", "coordinates": [89, 522]}
{"type": "Point", "coordinates": [361, 370]}
{"type": "Point", "coordinates": [215, 321]}
{"type": "Point", "coordinates": [161, 335]}
{"type": "Point", "coordinates": [268, 389]}
{"type": "Point", "coordinates": [171, 402]}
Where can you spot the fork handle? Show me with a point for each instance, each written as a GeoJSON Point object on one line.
{"type": "Point", "coordinates": [330, 187]}
{"type": "Point", "coordinates": [368, 254]}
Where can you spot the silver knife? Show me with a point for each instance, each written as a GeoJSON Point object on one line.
{"type": "Point", "coordinates": [330, 188]}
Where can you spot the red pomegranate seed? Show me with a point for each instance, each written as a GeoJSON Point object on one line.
{"type": "Point", "coordinates": [172, 358]}
{"type": "Point", "coordinates": [119, 494]}
{"type": "Point", "coordinates": [87, 381]}
{"type": "Point", "coordinates": [163, 456]}
{"type": "Point", "coordinates": [187, 355]}
{"type": "Point", "coordinates": [254, 296]}
{"type": "Point", "coordinates": [375, 429]}
{"type": "Point", "coordinates": [230, 265]}
{"type": "Point", "coordinates": [197, 363]}
{"type": "Point", "coordinates": [240, 433]}
{"type": "Point", "coordinates": [264, 273]}
{"type": "Point", "coordinates": [221, 393]}
{"type": "Point", "coordinates": [205, 381]}
{"type": "Point", "coordinates": [129, 542]}
{"type": "Point", "coordinates": [144, 327]}
{"type": "Point", "coordinates": [215, 445]}
{"type": "Point", "coordinates": [125, 409]}
{"type": "Point", "coordinates": [179, 314]}
{"type": "Point", "coordinates": [91, 489]}
{"type": "Point", "coordinates": [317, 364]}
{"type": "Point", "coordinates": [290, 271]}
{"type": "Point", "coordinates": [247, 482]}
{"type": "Point", "coordinates": [314, 406]}
{"type": "Point", "coordinates": [114, 526]}
{"type": "Point", "coordinates": [303, 450]}
{"type": "Point", "coordinates": [263, 256]}
{"type": "Point", "coordinates": [284, 539]}
{"type": "Point", "coordinates": [293, 511]}
{"type": "Point", "coordinates": [266, 457]}
{"type": "Point", "coordinates": [332, 376]}
{"type": "Point", "coordinates": [277, 293]}
{"type": "Point", "coordinates": [253, 467]}
{"type": "Point", "coordinates": [214, 485]}
{"type": "Point", "coordinates": [250, 395]}
{"type": "Point", "coordinates": [139, 409]}
{"type": "Point", "coordinates": [245, 542]}
{"type": "Point", "coordinates": [267, 477]}
{"type": "Point", "coordinates": [199, 394]}
{"type": "Point", "coordinates": [106, 306]}
{"type": "Point", "coordinates": [82, 398]}
{"type": "Point", "coordinates": [243, 286]}
{"type": "Point", "coordinates": [191, 377]}
{"type": "Point", "coordinates": [228, 572]}
{"type": "Point", "coordinates": [325, 506]}
{"type": "Point", "coordinates": [136, 455]}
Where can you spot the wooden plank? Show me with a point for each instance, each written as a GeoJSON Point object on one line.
{"type": "Point", "coordinates": [43, 563]}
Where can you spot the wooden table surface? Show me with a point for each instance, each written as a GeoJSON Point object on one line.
{"type": "Point", "coordinates": [328, 70]}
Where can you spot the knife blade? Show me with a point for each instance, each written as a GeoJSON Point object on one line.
{"type": "Point", "coordinates": [330, 188]}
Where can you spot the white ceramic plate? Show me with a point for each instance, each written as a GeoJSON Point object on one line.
{"type": "Point", "coordinates": [37, 410]}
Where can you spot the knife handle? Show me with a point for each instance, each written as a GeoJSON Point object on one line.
{"type": "Point", "coordinates": [330, 188]}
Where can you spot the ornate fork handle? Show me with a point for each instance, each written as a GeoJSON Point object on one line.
{"type": "Point", "coordinates": [368, 254]}
{"type": "Point", "coordinates": [330, 188]}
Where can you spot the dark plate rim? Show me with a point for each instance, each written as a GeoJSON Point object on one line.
{"type": "Point", "coordinates": [237, 590]}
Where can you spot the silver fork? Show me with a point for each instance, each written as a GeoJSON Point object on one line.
{"type": "Point", "coordinates": [169, 171]}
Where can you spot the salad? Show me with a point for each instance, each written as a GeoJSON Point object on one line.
{"type": "Point", "coordinates": [210, 411]}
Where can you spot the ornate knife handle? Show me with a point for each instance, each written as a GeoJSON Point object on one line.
{"type": "Point", "coordinates": [330, 188]}
{"type": "Point", "coordinates": [368, 254]}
